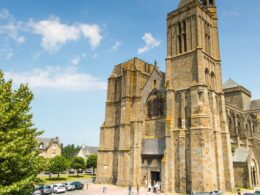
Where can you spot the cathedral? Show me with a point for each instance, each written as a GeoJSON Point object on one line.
{"type": "Point", "coordinates": [185, 127]}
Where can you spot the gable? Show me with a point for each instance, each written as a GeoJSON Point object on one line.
{"type": "Point", "coordinates": [155, 81]}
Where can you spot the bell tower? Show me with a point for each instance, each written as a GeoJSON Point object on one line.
{"type": "Point", "coordinates": [198, 150]}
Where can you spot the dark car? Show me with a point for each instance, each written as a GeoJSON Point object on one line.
{"type": "Point", "coordinates": [208, 193]}
{"type": "Point", "coordinates": [247, 193]}
{"type": "Point", "coordinates": [78, 185]}
{"type": "Point", "coordinates": [257, 192]}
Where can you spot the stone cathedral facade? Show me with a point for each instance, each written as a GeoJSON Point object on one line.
{"type": "Point", "coordinates": [182, 127]}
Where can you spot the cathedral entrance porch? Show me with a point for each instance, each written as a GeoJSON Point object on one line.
{"type": "Point", "coordinates": [155, 177]}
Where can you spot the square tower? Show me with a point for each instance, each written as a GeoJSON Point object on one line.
{"type": "Point", "coordinates": [198, 150]}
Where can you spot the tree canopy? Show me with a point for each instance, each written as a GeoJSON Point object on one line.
{"type": "Point", "coordinates": [69, 151]}
{"type": "Point", "coordinates": [19, 158]}
{"type": "Point", "coordinates": [58, 164]}
{"type": "Point", "coordinates": [92, 162]}
{"type": "Point", "coordinates": [77, 163]}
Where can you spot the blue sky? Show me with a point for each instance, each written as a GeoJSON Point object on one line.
{"type": "Point", "coordinates": [66, 50]}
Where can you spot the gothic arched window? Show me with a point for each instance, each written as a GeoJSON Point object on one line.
{"type": "Point", "coordinates": [155, 105]}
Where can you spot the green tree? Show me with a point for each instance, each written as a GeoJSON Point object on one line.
{"type": "Point", "coordinates": [92, 162]}
{"type": "Point", "coordinates": [19, 158]}
{"type": "Point", "coordinates": [69, 151]}
{"type": "Point", "coordinates": [58, 164]}
{"type": "Point", "coordinates": [77, 163]}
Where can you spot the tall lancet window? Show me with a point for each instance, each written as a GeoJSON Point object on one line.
{"type": "Point", "coordinates": [179, 38]}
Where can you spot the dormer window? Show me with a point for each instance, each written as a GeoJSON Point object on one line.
{"type": "Point", "coordinates": [41, 146]}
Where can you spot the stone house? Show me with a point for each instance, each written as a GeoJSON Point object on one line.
{"type": "Point", "coordinates": [85, 151]}
{"type": "Point", "coordinates": [49, 147]}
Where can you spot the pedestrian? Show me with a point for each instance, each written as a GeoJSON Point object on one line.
{"type": "Point", "coordinates": [238, 192]}
{"type": "Point", "coordinates": [104, 189]}
{"type": "Point", "coordinates": [137, 189]}
{"type": "Point", "coordinates": [129, 190]}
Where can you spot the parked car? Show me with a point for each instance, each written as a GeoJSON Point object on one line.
{"type": "Point", "coordinates": [59, 188]}
{"type": "Point", "coordinates": [47, 189]}
{"type": "Point", "coordinates": [70, 186]}
{"type": "Point", "coordinates": [71, 171]}
{"type": "Point", "coordinates": [38, 190]}
{"type": "Point", "coordinates": [257, 192]}
{"type": "Point", "coordinates": [78, 185]}
{"type": "Point", "coordinates": [247, 193]}
{"type": "Point", "coordinates": [209, 193]}
{"type": "Point", "coordinates": [80, 171]}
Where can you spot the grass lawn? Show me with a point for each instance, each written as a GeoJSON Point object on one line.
{"type": "Point", "coordinates": [45, 179]}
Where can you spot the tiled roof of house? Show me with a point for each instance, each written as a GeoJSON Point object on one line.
{"type": "Point", "coordinates": [45, 142]}
{"type": "Point", "coordinates": [89, 150]}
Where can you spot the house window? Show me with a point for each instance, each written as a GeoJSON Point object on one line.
{"type": "Point", "coordinates": [41, 146]}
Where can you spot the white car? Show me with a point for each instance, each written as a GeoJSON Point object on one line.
{"type": "Point", "coordinates": [70, 186]}
{"type": "Point", "coordinates": [59, 188]}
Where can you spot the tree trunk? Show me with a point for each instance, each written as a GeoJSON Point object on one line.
{"type": "Point", "coordinates": [58, 174]}
{"type": "Point", "coordinates": [77, 173]}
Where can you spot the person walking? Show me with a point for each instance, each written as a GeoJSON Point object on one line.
{"type": "Point", "coordinates": [137, 189]}
{"type": "Point", "coordinates": [129, 190]}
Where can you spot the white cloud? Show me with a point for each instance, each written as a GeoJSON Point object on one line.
{"type": "Point", "coordinates": [150, 42]}
{"type": "Point", "coordinates": [116, 45]}
{"type": "Point", "coordinates": [92, 33]}
{"type": "Point", "coordinates": [76, 60]}
{"type": "Point", "coordinates": [11, 27]}
{"type": "Point", "coordinates": [55, 33]}
{"type": "Point", "coordinates": [235, 12]}
{"type": "Point", "coordinates": [57, 78]}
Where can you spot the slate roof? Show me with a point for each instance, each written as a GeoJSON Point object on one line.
{"type": "Point", "coordinates": [230, 84]}
{"type": "Point", "coordinates": [241, 155]}
{"type": "Point", "coordinates": [255, 104]}
{"type": "Point", "coordinates": [47, 141]}
{"type": "Point", "coordinates": [88, 150]}
{"type": "Point", "coordinates": [154, 146]}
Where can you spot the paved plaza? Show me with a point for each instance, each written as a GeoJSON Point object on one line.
{"type": "Point", "coordinates": [94, 189]}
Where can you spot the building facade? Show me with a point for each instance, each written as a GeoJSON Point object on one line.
{"type": "Point", "coordinates": [49, 147]}
{"type": "Point", "coordinates": [180, 127]}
